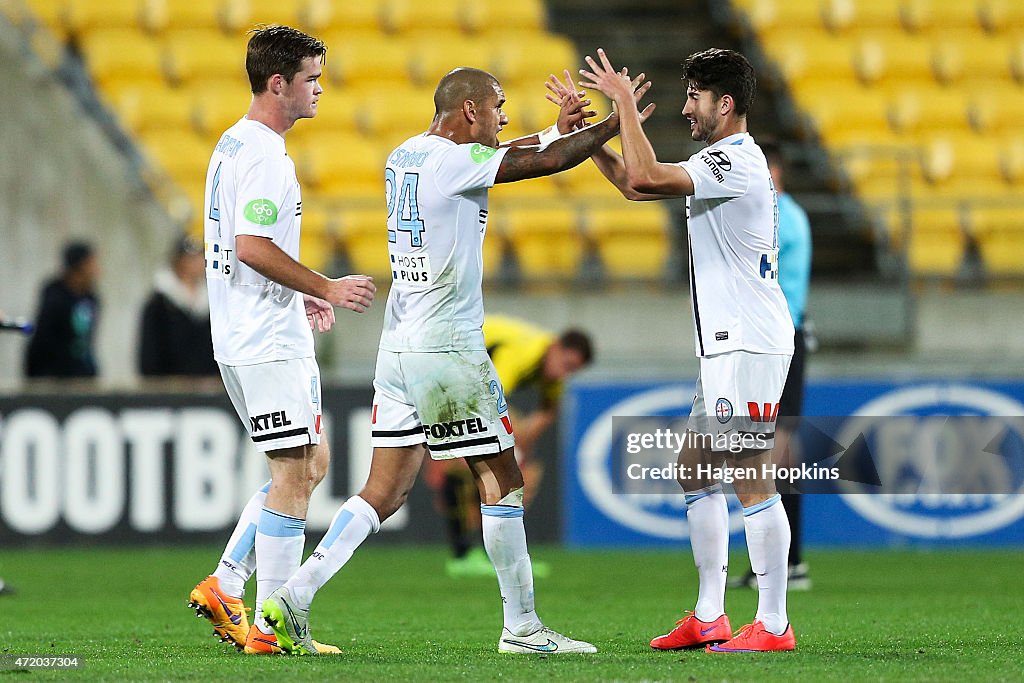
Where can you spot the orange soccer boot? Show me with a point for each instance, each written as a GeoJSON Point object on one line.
{"type": "Point", "coordinates": [754, 638]}
{"type": "Point", "coordinates": [226, 614]}
{"type": "Point", "coordinates": [692, 632]}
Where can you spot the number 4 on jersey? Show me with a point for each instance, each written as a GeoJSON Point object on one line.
{"type": "Point", "coordinates": [408, 208]}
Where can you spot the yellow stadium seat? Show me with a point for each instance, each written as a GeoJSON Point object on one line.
{"type": "Point", "coordinates": [119, 55]}
{"type": "Point", "coordinates": [366, 59]}
{"type": "Point", "coordinates": [768, 15]}
{"type": "Point", "coordinates": [364, 234]}
{"type": "Point", "coordinates": [843, 15]}
{"type": "Point", "coordinates": [1011, 160]}
{"type": "Point", "coordinates": [919, 110]}
{"type": "Point", "coordinates": [83, 16]}
{"type": "Point", "coordinates": [546, 241]}
{"type": "Point", "coordinates": [633, 240]}
{"type": "Point", "coordinates": [493, 251]}
{"type": "Point", "coordinates": [50, 13]}
{"type": "Point", "coordinates": [400, 111]}
{"type": "Point", "coordinates": [439, 53]}
{"type": "Point", "coordinates": [999, 231]}
{"type": "Point", "coordinates": [585, 179]}
{"type": "Point", "coordinates": [145, 107]}
{"type": "Point", "coordinates": [841, 110]}
{"type": "Point", "coordinates": [348, 16]}
{"type": "Point", "coordinates": [407, 16]}
{"type": "Point", "coordinates": [939, 15]}
{"type": "Point", "coordinates": [1001, 15]}
{"type": "Point", "coordinates": [804, 55]}
{"type": "Point", "coordinates": [243, 14]}
{"type": "Point", "coordinates": [964, 161]}
{"type": "Point", "coordinates": [501, 16]}
{"type": "Point", "coordinates": [937, 241]}
{"type": "Point", "coordinates": [526, 59]}
{"type": "Point", "coordinates": [893, 59]}
{"type": "Point", "coordinates": [218, 106]}
{"type": "Point", "coordinates": [533, 192]}
{"type": "Point", "coordinates": [317, 244]}
{"type": "Point", "coordinates": [182, 154]}
{"type": "Point", "coordinates": [337, 163]}
{"type": "Point", "coordinates": [186, 15]}
{"type": "Point", "coordinates": [997, 108]}
{"type": "Point", "coordinates": [194, 56]}
{"type": "Point", "coordinates": [1017, 58]}
{"type": "Point", "coordinates": [966, 56]}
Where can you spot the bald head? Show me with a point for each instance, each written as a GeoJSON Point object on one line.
{"type": "Point", "coordinates": [459, 85]}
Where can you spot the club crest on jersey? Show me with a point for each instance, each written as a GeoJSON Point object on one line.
{"type": "Point", "coordinates": [723, 410]}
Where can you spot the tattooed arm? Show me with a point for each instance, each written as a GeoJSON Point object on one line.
{"type": "Point", "coordinates": [562, 154]}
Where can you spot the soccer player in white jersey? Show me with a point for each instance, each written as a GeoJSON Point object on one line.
{"type": "Point", "coordinates": [263, 304]}
{"type": "Point", "coordinates": [744, 334]}
{"type": "Point", "coordinates": [435, 387]}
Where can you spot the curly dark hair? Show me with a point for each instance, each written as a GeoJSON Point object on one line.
{"type": "Point", "coordinates": [278, 50]}
{"type": "Point", "coordinates": [723, 72]}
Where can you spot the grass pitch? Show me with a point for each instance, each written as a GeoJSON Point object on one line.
{"type": "Point", "coordinates": [906, 615]}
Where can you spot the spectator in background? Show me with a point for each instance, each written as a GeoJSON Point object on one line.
{"type": "Point", "coordinates": [794, 279]}
{"type": "Point", "coordinates": [62, 345]}
{"type": "Point", "coordinates": [175, 336]}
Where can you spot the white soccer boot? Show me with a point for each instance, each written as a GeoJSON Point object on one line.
{"type": "Point", "coordinates": [543, 641]}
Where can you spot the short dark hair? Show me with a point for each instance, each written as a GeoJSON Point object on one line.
{"type": "Point", "coordinates": [578, 340]}
{"type": "Point", "coordinates": [461, 84]}
{"type": "Point", "coordinates": [278, 50]}
{"type": "Point", "coordinates": [75, 254]}
{"type": "Point", "coordinates": [723, 72]}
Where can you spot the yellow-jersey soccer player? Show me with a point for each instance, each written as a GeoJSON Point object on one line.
{"type": "Point", "coordinates": [531, 362]}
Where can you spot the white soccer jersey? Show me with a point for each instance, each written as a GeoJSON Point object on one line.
{"type": "Point", "coordinates": [251, 189]}
{"type": "Point", "coordinates": [437, 217]}
{"type": "Point", "coordinates": [732, 221]}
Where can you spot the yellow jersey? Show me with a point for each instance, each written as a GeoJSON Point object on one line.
{"type": "Point", "coordinates": [517, 350]}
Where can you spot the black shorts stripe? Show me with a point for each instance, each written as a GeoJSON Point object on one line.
{"type": "Point", "coordinates": [463, 444]}
{"type": "Point", "coordinates": [397, 432]}
{"type": "Point", "coordinates": [281, 435]}
{"type": "Point", "coordinates": [766, 435]}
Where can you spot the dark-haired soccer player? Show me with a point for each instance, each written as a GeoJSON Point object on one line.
{"type": "Point", "coordinates": [744, 334]}
{"type": "Point", "coordinates": [263, 304]}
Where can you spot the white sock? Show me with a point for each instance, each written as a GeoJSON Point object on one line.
{"type": "Point", "coordinates": [238, 562]}
{"type": "Point", "coordinates": [768, 539]}
{"type": "Point", "coordinates": [354, 521]}
{"type": "Point", "coordinates": [505, 541]}
{"type": "Point", "coordinates": [279, 543]}
{"type": "Point", "coordinates": [707, 515]}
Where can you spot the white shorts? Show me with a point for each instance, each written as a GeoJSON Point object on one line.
{"type": "Point", "coordinates": [451, 400]}
{"type": "Point", "coordinates": [738, 398]}
{"type": "Point", "coordinates": [278, 402]}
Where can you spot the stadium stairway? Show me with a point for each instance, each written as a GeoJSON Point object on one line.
{"type": "Point", "coordinates": [654, 36]}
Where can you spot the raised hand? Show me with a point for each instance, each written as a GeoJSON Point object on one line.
{"type": "Point", "coordinates": [354, 292]}
{"type": "Point", "coordinates": [616, 85]}
{"type": "Point", "coordinates": [573, 112]}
